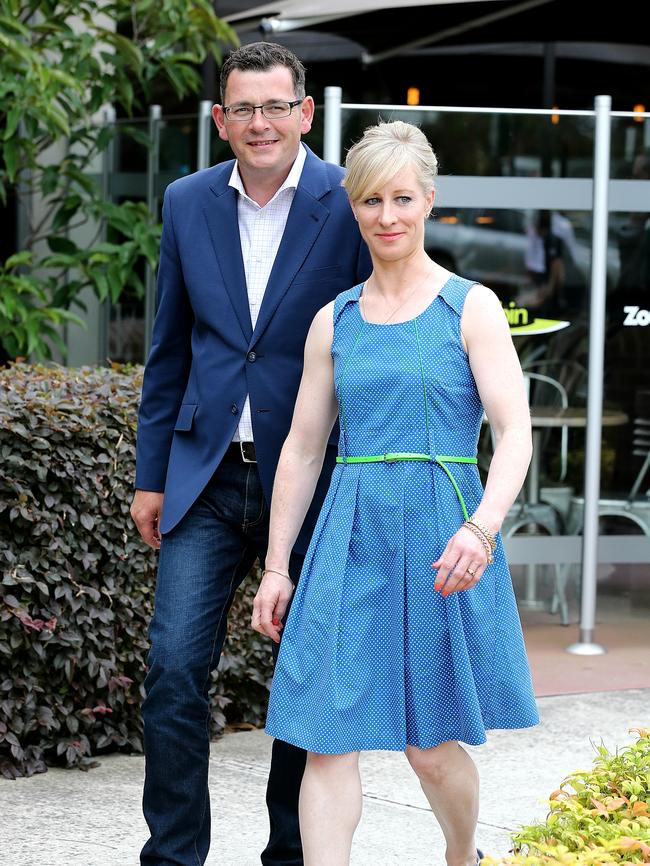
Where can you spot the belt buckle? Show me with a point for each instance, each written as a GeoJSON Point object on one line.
{"type": "Point", "coordinates": [389, 459]}
{"type": "Point", "coordinates": [250, 447]}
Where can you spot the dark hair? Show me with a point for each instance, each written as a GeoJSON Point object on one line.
{"type": "Point", "coordinates": [260, 57]}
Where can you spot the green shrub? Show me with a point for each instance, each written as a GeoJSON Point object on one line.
{"type": "Point", "coordinates": [77, 583]}
{"type": "Point", "coordinates": [597, 818]}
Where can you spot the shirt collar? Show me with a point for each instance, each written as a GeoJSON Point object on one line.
{"type": "Point", "coordinates": [291, 181]}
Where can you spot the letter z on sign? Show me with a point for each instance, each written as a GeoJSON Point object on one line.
{"type": "Point", "coordinates": [636, 316]}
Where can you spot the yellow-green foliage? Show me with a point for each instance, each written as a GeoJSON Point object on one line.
{"type": "Point", "coordinates": [599, 817]}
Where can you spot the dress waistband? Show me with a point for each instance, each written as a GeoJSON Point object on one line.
{"type": "Point", "coordinates": [396, 456]}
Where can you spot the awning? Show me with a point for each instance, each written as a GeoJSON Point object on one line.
{"type": "Point", "coordinates": [282, 16]}
{"type": "Point", "coordinates": [287, 9]}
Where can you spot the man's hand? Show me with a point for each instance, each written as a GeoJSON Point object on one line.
{"type": "Point", "coordinates": [270, 604]}
{"type": "Point", "coordinates": [146, 509]}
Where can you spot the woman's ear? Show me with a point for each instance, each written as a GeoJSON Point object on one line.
{"type": "Point", "coordinates": [354, 213]}
{"type": "Point", "coordinates": [430, 200]}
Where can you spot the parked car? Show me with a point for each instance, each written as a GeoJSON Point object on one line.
{"type": "Point", "coordinates": [491, 246]}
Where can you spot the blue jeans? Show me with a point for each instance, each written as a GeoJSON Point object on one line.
{"type": "Point", "coordinates": [203, 561]}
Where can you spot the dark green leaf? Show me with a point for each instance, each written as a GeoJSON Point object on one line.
{"type": "Point", "coordinates": [66, 211]}
{"type": "Point", "coordinates": [11, 157]}
{"type": "Point", "coordinates": [50, 179]}
{"type": "Point", "coordinates": [13, 119]}
{"type": "Point", "coordinates": [60, 244]}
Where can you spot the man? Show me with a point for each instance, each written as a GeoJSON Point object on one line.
{"type": "Point", "coordinates": [545, 263]}
{"type": "Point", "coordinates": [250, 250]}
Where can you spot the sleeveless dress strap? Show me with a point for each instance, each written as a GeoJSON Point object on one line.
{"type": "Point", "coordinates": [455, 291]}
{"type": "Point", "coordinates": [347, 297]}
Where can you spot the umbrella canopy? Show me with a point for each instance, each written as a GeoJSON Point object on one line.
{"type": "Point", "coordinates": [386, 28]}
{"type": "Point", "coordinates": [287, 15]}
{"type": "Point", "coordinates": [300, 9]}
{"type": "Point", "coordinates": [460, 51]}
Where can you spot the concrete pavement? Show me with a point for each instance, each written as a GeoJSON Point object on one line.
{"type": "Point", "coordinates": [68, 818]}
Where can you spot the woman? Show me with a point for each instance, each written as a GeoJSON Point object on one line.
{"type": "Point", "coordinates": [377, 654]}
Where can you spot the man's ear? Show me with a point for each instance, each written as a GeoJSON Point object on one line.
{"type": "Point", "coordinates": [220, 122]}
{"type": "Point", "coordinates": [306, 114]}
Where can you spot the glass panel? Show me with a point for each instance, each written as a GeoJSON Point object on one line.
{"type": "Point", "coordinates": [128, 183]}
{"type": "Point", "coordinates": [625, 491]}
{"type": "Point", "coordinates": [508, 145]}
{"type": "Point", "coordinates": [630, 148]}
{"type": "Point", "coordinates": [178, 145]}
{"type": "Point", "coordinates": [130, 144]}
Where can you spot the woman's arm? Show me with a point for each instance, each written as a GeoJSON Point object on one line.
{"type": "Point", "coordinates": [299, 467]}
{"type": "Point", "coordinates": [500, 382]}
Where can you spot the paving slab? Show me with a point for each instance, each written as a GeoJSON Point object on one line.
{"type": "Point", "coordinates": [69, 818]}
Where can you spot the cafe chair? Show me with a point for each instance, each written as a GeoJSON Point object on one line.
{"type": "Point", "coordinates": [544, 390]}
{"type": "Point", "coordinates": [635, 507]}
{"type": "Point", "coordinates": [567, 389]}
{"type": "Point", "coordinates": [532, 515]}
{"type": "Point", "coordinates": [572, 375]}
{"type": "Point", "coordinates": [541, 390]}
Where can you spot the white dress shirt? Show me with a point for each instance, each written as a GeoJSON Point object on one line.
{"type": "Point", "coordinates": [260, 233]}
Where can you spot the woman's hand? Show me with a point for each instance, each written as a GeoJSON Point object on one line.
{"type": "Point", "coordinates": [462, 563]}
{"type": "Point", "coordinates": [270, 604]}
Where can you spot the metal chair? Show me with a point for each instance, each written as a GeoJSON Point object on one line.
{"type": "Point", "coordinates": [543, 386]}
{"type": "Point", "coordinates": [528, 516]}
{"type": "Point", "coordinates": [568, 386]}
{"type": "Point", "coordinates": [634, 508]}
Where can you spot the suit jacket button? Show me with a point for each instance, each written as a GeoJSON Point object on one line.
{"type": "Point", "coordinates": [252, 357]}
{"type": "Point", "coordinates": [234, 409]}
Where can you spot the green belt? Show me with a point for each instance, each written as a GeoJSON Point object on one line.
{"type": "Point", "coordinates": [396, 456]}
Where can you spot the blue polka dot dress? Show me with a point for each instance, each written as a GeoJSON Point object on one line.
{"type": "Point", "coordinates": [371, 657]}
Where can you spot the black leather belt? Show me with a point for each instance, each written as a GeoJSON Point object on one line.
{"type": "Point", "coordinates": [241, 452]}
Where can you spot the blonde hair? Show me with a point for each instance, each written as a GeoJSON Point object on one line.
{"type": "Point", "coordinates": [385, 150]}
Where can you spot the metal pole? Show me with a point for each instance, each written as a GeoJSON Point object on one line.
{"type": "Point", "coordinates": [153, 164]}
{"type": "Point", "coordinates": [332, 135]}
{"type": "Point", "coordinates": [205, 125]}
{"type": "Point", "coordinates": [586, 644]}
{"type": "Point", "coordinates": [108, 168]}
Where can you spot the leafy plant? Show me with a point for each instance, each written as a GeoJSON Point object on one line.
{"type": "Point", "coordinates": [61, 63]}
{"type": "Point", "coordinates": [77, 583]}
{"type": "Point", "coordinates": [597, 818]}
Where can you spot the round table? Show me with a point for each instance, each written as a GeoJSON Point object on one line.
{"type": "Point", "coordinates": [542, 417]}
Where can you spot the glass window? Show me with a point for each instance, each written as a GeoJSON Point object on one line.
{"type": "Point", "coordinates": [496, 145]}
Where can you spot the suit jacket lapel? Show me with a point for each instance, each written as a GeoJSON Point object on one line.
{"type": "Point", "coordinates": [307, 217]}
{"type": "Point", "coordinates": [223, 225]}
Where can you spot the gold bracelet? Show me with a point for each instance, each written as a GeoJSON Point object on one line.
{"type": "Point", "coordinates": [486, 544]}
{"type": "Point", "coordinates": [486, 532]}
{"type": "Point", "coordinates": [475, 531]}
{"type": "Point", "coordinates": [281, 573]}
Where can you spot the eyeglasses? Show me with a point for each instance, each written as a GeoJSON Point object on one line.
{"type": "Point", "coordinates": [271, 110]}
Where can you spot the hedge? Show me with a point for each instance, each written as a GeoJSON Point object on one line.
{"type": "Point", "coordinates": [599, 817]}
{"type": "Point", "coordinates": [77, 582]}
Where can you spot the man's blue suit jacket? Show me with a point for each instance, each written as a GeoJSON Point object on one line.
{"type": "Point", "coordinates": [205, 355]}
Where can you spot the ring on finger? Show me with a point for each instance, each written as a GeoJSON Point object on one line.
{"type": "Point", "coordinates": [470, 571]}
